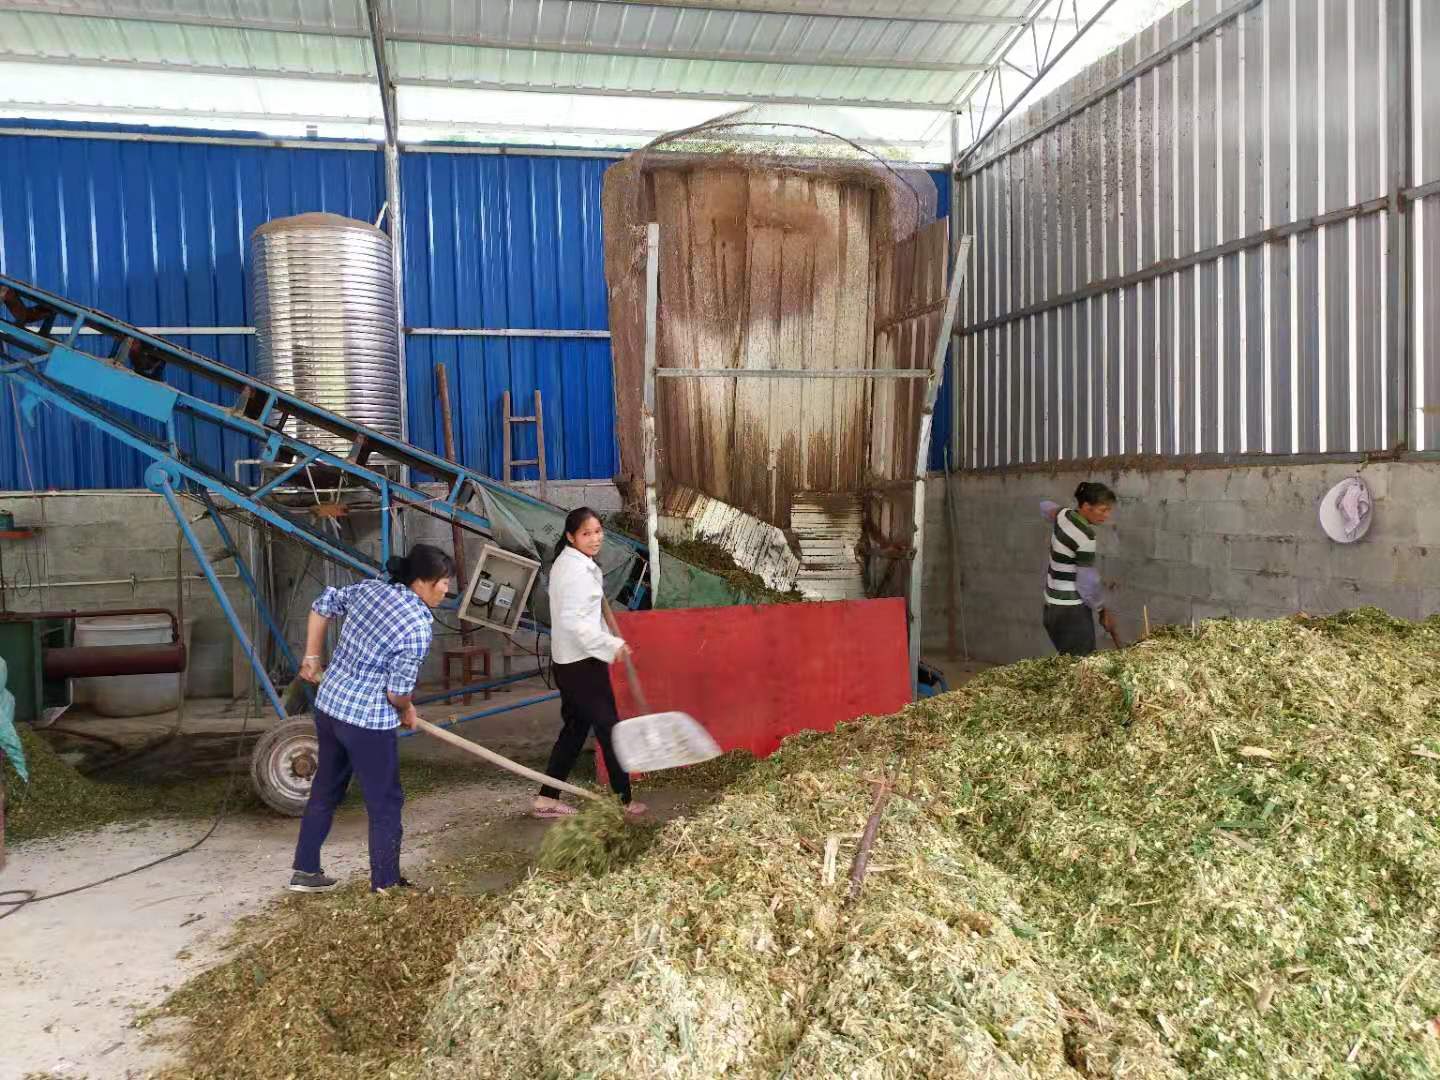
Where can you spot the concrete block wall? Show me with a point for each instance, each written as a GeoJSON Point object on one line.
{"type": "Point", "coordinates": [1198, 544]}
{"type": "Point", "coordinates": [117, 549]}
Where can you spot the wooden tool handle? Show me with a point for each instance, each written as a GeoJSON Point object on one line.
{"type": "Point", "coordinates": [630, 674]}
{"type": "Point", "coordinates": [504, 762]}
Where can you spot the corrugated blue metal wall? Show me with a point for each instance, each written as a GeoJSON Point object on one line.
{"type": "Point", "coordinates": [157, 233]}
{"type": "Point", "coordinates": [509, 242]}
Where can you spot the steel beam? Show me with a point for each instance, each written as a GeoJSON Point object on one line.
{"type": "Point", "coordinates": [159, 479]}
{"type": "Point", "coordinates": [816, 9]}
{"type": "Point", "coordinates": [393, 203]}
{"type": "Point", "coordinates": [1176, 47]}
{"type": "Point", "coordinates": [1046, 67]}
{"type": "Point", "coordinates": [819, 9]}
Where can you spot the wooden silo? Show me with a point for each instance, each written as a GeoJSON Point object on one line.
{"type": "Point", "coordinates": [776, 263]}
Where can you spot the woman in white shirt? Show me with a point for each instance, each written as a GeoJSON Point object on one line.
{"type": "Point", "coordinates": [582, 649]}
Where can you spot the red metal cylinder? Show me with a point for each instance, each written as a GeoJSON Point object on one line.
{"type": "Point", "coordinates": [91, 661]}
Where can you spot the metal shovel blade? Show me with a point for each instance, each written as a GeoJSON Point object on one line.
{"type": "Point", "coordinates": [662, 741]}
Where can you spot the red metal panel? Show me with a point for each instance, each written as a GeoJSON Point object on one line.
{"type": "Point", "coordinates": [753, 675]}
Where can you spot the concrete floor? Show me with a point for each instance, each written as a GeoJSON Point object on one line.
{"type": "Point", "coordinates": [78, 970]}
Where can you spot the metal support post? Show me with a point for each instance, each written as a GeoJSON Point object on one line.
{"type": "Point", "coordinates": [652, 308]}
{"type": "Point", "coordinates": [393, 204]}
{"type": "Point", "coordinates": [160, 479]}
{"type": "Point", "coordinates": [955, 377]}
{"type": "Point", "coordinates": [1398, 258]}
{"type": "Point", "coordinates": [922, 458]}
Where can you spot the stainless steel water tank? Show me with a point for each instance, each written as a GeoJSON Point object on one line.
{"type": "Point", "coordinates": [324, 303]}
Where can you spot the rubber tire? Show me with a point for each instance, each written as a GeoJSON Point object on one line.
{"type": "Point", "coordinates": [284, 794]}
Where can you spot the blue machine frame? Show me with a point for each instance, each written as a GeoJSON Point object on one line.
{"type": "Point", "coordinates": [106, 392]}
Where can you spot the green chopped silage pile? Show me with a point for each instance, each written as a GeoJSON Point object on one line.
{"type": "Point", "coordinates": [1213, 855]}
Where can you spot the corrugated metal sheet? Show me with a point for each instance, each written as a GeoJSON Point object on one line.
{"type": "Point", "coordinates": [39, 36]}
{"type": "Point", "coordinates": [509, 242]}
{"type": "Point", "coordinates": [1281, 348]}
{"type": "Point", "coordinates": [1425, 376]}
{"type": "Point", "coordinates": [156, 233]}
{"type": "Point", "coordinates": [538, 44]}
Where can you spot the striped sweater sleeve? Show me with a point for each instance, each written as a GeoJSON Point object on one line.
{"type": "Point", "coordinates": [1074, 542]}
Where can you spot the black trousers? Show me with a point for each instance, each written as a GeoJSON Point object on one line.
{"type": "Point", "coordinates": [586, 703]}
{"type": "Point", "coordinates": [1071, 629]}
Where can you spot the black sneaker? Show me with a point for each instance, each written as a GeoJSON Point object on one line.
{"type": "Point", "coordinates": [303, 882]}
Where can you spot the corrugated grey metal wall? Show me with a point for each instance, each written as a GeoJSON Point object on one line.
{"type": "Point", "coordinates": [1195, 260]}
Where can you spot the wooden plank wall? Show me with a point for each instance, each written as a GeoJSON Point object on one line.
{"type": "Point", "coordinates": [763, 270]}
{"type": "Point", "coordinates": [909, 307]}
{"type": "Point", "coordinates": [771, 269]}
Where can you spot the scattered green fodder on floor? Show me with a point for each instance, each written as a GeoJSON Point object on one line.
{"type": "Point", "coordinates": [331, 985]}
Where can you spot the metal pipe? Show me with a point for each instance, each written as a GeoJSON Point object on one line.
{"type": "Point", "coordinates": [922, 454]}
{"type": "Point", "coordinates": [393, 205]}
{"type": "Point", "coordinates": [652, 311]}
{"type": "Point", "coordinates": [160, 480]}
{"type": "Point", "coordinates": [98, 661]}
{"type": "Point", "coordinates": [131, 581]}
{"type": "Point", "coordinates": [518, 332]}
{"type": "Point", "coordinates": [790, 373]}
{"type": "Point", "coordinates": [474, 688]}
{"type": "Point", "coordinates": [955, 380]}
{"type": "Point", "coordinates": [1399, 258]}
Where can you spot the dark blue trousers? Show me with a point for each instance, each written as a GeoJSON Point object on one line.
{"type": "Point", "coordinates": [373, 756]}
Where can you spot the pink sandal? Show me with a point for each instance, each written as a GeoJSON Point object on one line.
{"type": "Point", "coordinates": [551, 808]}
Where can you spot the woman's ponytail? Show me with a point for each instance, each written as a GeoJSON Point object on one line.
{"type": "Point", "coordinates": [424, 563]}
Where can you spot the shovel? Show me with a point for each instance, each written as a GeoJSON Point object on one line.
{"type": "Point", "coordinates": [655, 741]}
{"type": "Point", "coordinates": [499, 759]}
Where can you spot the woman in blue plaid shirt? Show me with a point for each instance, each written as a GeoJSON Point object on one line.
{"type": "Point", "coordinates": [364, 697]}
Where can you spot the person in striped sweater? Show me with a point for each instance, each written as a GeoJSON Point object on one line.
{"type": "Point", "coordinates": [1074, 594]}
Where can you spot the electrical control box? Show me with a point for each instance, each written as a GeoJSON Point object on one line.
{"type": "Point", "coordinates": [499, 589]}
{"type": "Point", "coordinates": [484, 591]}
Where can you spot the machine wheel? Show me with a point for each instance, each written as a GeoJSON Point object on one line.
{"type": "Point", "coordinates": [283, 765]}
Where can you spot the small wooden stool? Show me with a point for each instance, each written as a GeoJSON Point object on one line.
{"type": "Point", "coordinates": [467, 658]}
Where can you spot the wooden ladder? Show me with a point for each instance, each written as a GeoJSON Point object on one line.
{"type": "Point", "coordinates": [538, 461]}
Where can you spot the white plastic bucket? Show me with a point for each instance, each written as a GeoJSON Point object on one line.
{"type": "Point", "coordinates": [129, 695]}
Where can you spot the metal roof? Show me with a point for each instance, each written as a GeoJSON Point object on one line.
{"type": "Point", "coordinates": [917, 55]}
{"type": "Point", "coordinates": [920, 56]}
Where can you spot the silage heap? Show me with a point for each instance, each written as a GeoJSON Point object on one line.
{"type": "Point", "coordinates": [1214, 855]}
